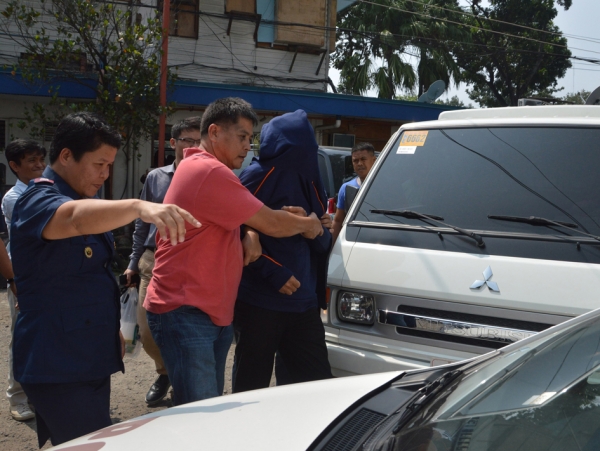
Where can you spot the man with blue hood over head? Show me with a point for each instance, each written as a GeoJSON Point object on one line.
{"type": "Point", "coordinates": [281, 293]}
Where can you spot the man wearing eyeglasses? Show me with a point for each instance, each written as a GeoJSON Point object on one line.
{"type": "Point", "coordinates": [184, 134]}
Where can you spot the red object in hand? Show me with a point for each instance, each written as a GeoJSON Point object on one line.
{"type": "Point", "coordinates": [331, 206]}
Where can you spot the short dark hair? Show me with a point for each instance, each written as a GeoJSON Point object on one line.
{"type": "Point", "coordinates": [19, 148]}
{"type": "Point", "coordinates": [81, 133]}
{"type": "Point", "coordinates": [364, 146]}
{"type": "Point", "coordinates": [227, 111]}
{"type": "Point", "coordinates": [184, 125]}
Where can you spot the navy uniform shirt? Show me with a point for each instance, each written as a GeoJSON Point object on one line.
{"type": "Point", "coordinates": [68, 326]}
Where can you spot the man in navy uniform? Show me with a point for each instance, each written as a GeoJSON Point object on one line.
{"type": "Point", "coordinates": [67, 341]}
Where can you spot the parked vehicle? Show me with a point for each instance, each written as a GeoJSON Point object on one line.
{"type": "Point", "coordinates": [335, 165]}
{"type": "Point", "coordinates": [471, 232]}
{"type": "Point", "coordinates": [538, 394]}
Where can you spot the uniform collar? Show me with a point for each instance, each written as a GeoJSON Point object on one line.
{"type": "Point", "coordinates": [60, 183]}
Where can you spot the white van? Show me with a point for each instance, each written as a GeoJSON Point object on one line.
{"type": "Point", "coordinates": [471, 232]}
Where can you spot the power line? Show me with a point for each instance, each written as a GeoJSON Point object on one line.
{"type": "Point", "coordinates": [582, 38]}
{"type": "Point", "coordinates": [474, 26]}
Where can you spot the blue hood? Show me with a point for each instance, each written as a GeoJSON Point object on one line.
{"type": "Point", "coordinates": [286, 173]}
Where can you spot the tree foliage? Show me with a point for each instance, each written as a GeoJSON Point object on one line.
{"type": "Point", "coordinates": [500, 68]}
{"type": "Point", "coordinates": [452, 101]}
{"type": "Point", "coordinates": [103, 46]}
{"type": "Point", "coordinates": [577, 98]}
{"type": "Point", "coordinates": [377, 45]}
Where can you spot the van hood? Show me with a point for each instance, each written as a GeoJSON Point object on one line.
{"type": "Point", "coordinates": [280, 418]}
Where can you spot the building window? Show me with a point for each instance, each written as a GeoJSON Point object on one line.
{"type": "Point", "coordinates": [183, 21]}
{"type": "Point", "coordinates": [70, 61]}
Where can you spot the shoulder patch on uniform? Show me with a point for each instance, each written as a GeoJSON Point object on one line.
{"type": "Point", "coordinates": [43, 180]}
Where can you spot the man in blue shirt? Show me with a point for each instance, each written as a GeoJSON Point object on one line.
{"type": "Point", "coordinates": [363, 159]}
{"type": "Point", "coordinates": [184, 134]}
{"type": "Point", "coordinates": [25, 159]}
{"type": "Point", "coordinates": [67, 341]}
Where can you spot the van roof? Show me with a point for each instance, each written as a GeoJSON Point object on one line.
{"type": "Point", "coordinates": [547, 111]}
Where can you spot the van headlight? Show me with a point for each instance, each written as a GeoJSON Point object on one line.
{"type": "Point", "coordinates": [356, 308]}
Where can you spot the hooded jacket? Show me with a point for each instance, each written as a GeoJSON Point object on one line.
{"type": "Point", "coordinates": [287, 174]}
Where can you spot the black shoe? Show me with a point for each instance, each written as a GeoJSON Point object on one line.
{"type": "Point", "coordinates": [159, 390]}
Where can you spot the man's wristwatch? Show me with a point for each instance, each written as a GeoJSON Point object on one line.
{"type": "Point", "coordinates": [9, 281]}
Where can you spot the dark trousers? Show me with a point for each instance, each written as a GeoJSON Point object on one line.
{"type": "Point", "coordinates": [299, 339]}
{"type": "Point", "coordinates": [64, 412]}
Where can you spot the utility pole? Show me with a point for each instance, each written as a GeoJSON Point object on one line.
{"type": "Point", "coordinates": [163, 82]}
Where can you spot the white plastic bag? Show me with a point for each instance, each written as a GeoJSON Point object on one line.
{"type": "Point", "coordinates": [129, 327]}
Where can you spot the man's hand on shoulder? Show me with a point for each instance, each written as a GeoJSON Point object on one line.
{"type": "Point", "coordinates": [316, 228]}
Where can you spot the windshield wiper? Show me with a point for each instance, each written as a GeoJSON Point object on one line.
{"type": "Point", "coordinates": [537, 221]}
{"type": "Point", "coordinates": [416, 215]}
{"type": "Point", "coordinates": [422, 397]}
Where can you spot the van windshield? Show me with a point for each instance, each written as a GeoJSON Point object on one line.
{"type": "Point", "coordinates": [465, 174]}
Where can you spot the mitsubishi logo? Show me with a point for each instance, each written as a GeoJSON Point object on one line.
{"type": "Point", "coordinates": [487, 275]}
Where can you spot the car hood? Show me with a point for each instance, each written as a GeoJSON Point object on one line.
{"type": "Point", "coordinates": [288, 417]}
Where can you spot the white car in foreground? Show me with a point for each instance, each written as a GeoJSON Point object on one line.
{"type": "Point", "coordinates": [539, 394]}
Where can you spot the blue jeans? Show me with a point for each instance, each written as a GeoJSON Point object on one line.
{"type": "Point", "coordinates": [194, 350]}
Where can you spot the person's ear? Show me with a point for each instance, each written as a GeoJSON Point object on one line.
{"type": "Point", "coordinates": [14, 166]}
{"type": "Point", "coordinates": [213, 132]}
{"type": "Point", "coordinates": [172, 141]}
{"type": "Point", "coordinates": [65, 156]}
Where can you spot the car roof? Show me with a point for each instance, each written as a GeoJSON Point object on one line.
{"type": "Point", "coordinates": [525, 112]}
{"type": "Point", "coordinates": [336, 150]}
{"type": "Point", "coordinates": [531, 116]}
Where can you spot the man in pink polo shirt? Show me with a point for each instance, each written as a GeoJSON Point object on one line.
{"type": "Point", "coordinates": [192, 293]}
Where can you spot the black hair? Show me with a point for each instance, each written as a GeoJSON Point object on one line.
{"type": "Point", "coordinates": [364, 146]}
{"type": "Point", "coordinates": [227, 111]}
{"type": "Point", "coordinates": [187, 124]}
{"type": "Point", "coordinates": [20, 148]}
{"type": "Point", "coordinates": [81, 133]}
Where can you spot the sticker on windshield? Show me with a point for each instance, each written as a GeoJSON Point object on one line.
{"type": "Point", "coordinates": [537, 400]}
{"type": "Point", "coordinates": [414, 138]}
{"type": "Point", "coordinates": [406, 149]}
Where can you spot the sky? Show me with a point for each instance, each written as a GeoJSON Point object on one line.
{"type": "Point", "coordinates": [581, 20]}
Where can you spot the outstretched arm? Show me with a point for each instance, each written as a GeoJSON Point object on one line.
{"type": "Point", "coordinates": [280, 223]}
{"type": "Point", "coordinates": [93, 216]}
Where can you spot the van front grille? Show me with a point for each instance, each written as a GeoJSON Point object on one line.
{"type": "Point", "coordinates": [476, 330]}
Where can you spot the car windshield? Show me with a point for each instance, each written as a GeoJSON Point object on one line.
{"type": "Point", "coordinates": [543, 395]}
{"type": "Point", "coordinates": [466, 174]}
